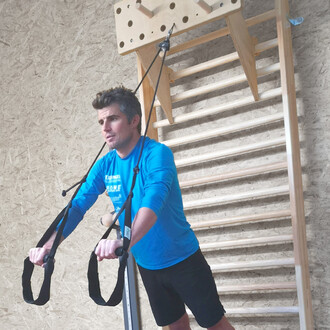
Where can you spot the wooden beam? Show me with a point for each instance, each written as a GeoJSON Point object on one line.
{"type": "Point", "coordinates": [255, 311]}
{"type": "Point", "coordinates": [146, 96]}
{"type": "Point", "coordinates": [245, 48]}
{"type": "Point", "coordinates": [294, 166]}
{"type": "Point", "coordinates": [237, 220]}
{"type": "Point", "coordinates": [174, 75]}
{"type": "Point", "coordinates": [241, 150]}
{"type": "Point", "coordinates": [233, 175]}
{"type": "Point", "coordinates": [260, 287]}
{"type": "Point", "coordinates": [221, 84]}
{"type": "Point", "coordinates": [245, 242]}
{"type": "Point", "coordinates": [146, 55]}
{"type": "Point", "coordinates": [262, 310]}
{"type": "Point", "coordinates": [252, 265]}
{"type": "Point", "coordinates": [264, 96]}
{"type": "Point", "coordinates": [220, 33]}
{"type": "Point", "coordinates": [234, 198]}
{"type": "Point", "coordinates": [210, 134]}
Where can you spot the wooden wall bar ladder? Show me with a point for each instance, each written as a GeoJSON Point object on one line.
{"type": "Point", "coordinates": [268, 191]}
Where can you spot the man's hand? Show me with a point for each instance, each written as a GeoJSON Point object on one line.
{"type": "Point", "coordinates": [37, 255]}
{"type": "Point", "coordinates": [106, 249]}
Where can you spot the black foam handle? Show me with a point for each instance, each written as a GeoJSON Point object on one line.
{"type": "Point", "coordinates": [119, 251]}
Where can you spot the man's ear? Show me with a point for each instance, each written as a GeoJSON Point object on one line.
{"type": "Point", "coordinates": [135, 121]}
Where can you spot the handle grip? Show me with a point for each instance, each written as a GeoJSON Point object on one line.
{"type": "Point", "coordinates": [119, 252]}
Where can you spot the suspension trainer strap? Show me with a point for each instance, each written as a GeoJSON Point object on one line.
{"type": "Point", "coordinates": [44, 293]}
{"type": "Point", "coordinates": [92, 274]}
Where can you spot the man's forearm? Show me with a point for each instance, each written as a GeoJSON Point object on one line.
{"type": "Point", "coordinates": [48, 245]}
{"type": "Point", "coordinates": [144, 220]}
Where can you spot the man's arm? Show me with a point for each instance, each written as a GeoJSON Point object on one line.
{"type": "Point", "coordinates": [159, 178]}
{"type": "Point", "coordinates": [144, 220]}
{"type": "Point", "coordinates": [37, 255]}
{"type": "Point", "coordinates": [85, 198]}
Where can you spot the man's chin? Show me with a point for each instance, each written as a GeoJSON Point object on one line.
{"type": "Point", "coordinates": [111, 145]}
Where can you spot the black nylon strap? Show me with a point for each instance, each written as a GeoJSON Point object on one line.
{"type": "Point", "coordinates": [92, 274]}
{"type": "Point", "coordinates": [48, 270]}
{"type": "Point", "coordinates": [94, 284]}
{"type": "Point", "coordinates": [44, 293]}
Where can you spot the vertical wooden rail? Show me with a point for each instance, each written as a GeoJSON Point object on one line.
{"type": "Point", "coordinates": [146, 55]}
{"type": "Point", "coordinates": [294, 166]}
{"type": "Point", "coordinates": [245, 49]}
{"type": "Point", "coordinates": [146, 95]}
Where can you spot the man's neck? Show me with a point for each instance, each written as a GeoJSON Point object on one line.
{"type": "Point", "coordinates": [124, 152]}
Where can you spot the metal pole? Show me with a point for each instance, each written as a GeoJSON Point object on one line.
{"type": "Point", "coordinates": [130, 297]}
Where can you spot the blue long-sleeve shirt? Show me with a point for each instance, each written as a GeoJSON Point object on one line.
{"type": "Point", "coordinates": [170, 240]}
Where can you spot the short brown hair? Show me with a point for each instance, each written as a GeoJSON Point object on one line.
{"type": "Point", "coordinates": [128, 103]}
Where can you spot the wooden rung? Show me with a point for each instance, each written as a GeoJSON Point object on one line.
{"type": "Point", "coordinates": [245, 242]}
{"type": "Point", "coordinates": [220, 33]}
{"type": "Point", "coordinates": [241, 150]}
{"type": "Point", "coordinates": [174, 75]}
{"type": "Point", "coordinates": [267, 95]}
{"type": "Point", "coordinates": [252, 265]}
{"type": "Point", "coordinates": [234, 198]}
{"type": "Point", "coordinates": [209, 134]}
{"type": "Point", "coordinates": [220, 84]}
{"type": "Point", "coordinates": [263, 310]}
{"type": "Point", "coordinates": [274, 215]}
{"type": "Point", "coordinates": [260, 287]}
{"type": "Point", "coordinates": [252, 311]}
{"type": "Point", "coordinates": [263, 46]}
{"type": "Point", "coordinates": [246, 172]}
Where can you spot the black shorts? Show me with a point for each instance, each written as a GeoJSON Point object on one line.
{"type": "Point", "coordinates": [189, 282]}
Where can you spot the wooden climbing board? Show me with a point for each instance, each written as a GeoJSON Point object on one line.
{"type": "Point", "coordinates": [139, 23]}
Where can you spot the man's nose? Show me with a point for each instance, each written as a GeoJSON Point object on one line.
{"type": "Point", "coordinates": [106, 126]}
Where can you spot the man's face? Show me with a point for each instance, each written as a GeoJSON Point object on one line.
{"type": "Point", "coordinates": [116, 130]}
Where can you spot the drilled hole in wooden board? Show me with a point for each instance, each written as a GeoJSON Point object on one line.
{"type": "Point", "coordinates": [172, 5]}
{"type": "Point", "coordinates": [118, 11]}
{"type": "Point", "coordinates": [233, 1]}
{"type": "Point", "coordinates": [163, 28]}
{"type": "Point", "coordinates": [122, 44]}
{"type": "Point", "coordinates": [141, 36]}
{"type": "Point", "coordinates": [130, 23]}
{"type": "Point", "coordinates": [185, 19]}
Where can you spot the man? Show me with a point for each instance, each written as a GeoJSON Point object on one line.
{"type": "Point", "coordinates": [165, 248]}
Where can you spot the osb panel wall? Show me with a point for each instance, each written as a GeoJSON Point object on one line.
{"type": "Point", "coordinates": [55, 55]}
